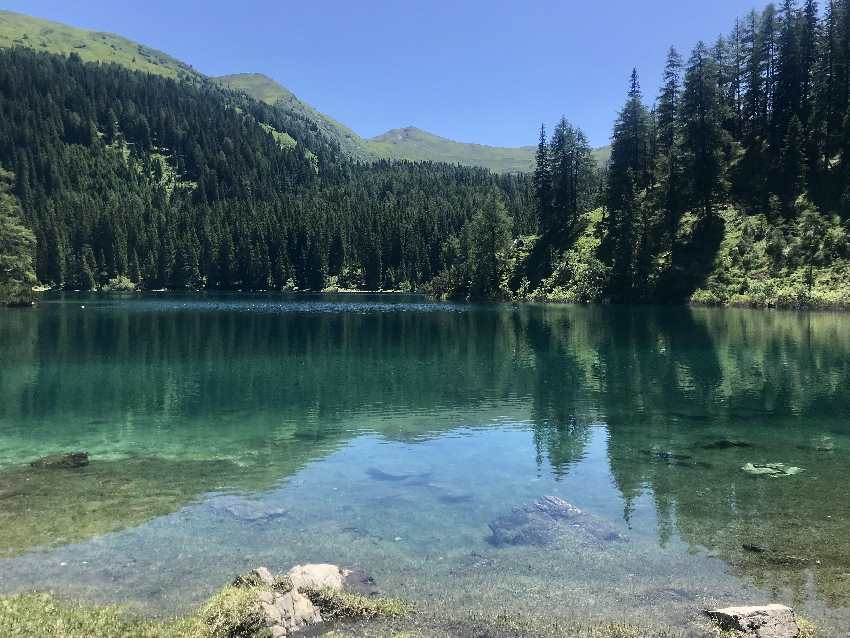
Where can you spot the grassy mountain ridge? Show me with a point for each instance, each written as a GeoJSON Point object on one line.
{"type": "Point", "coordinates": [17, 29]}
{"type": "Point", "coordinates": [409, 143]}
{"type": "Point", "coordinates": [412, 143]}
{"type": "Point", "coordinates": [263, 88]}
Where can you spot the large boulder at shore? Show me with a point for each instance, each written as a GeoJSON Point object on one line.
{"type": "Point", "coordinates": [282, 608]}
{"type": "Point", "coordinates": [287, 613]}
{"type": "Point", "coordinates": [317, 576]}
{"type": "Point", "coordinates": [282, 603]}
{"type": "Point", "coordinates": [69, 460]}
{"type": "Point", "coordinates": [544, 520]}
{"type": "Point", "coordinates": [333, 577]}
{"type": "Point", "coordinates": [761, 621]}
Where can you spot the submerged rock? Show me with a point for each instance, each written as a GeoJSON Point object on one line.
{"type": "Point", "coordinates": [773, 470]}
{"type": "Point", "coordinates": [765, 621]}
{"type": "Point", "coordinates": [677, 460]}
{"type": "Point", "coordinates": [726, 444]}
{"type": "Point", "coordinates": [544, 520]}
{"type": "Point", "coordinates": [663, 455]}
{"type": "Point", "coordinates": [379, 475]}
{"type": "Point", "coordinates": [69, 460]}
{"type": "Point", "coordinates": [245, 510]}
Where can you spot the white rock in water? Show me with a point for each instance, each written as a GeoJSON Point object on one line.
{"type": "Point", "coordinates": [317, 576]}
{"type": "Point", "coordinates": [772, 470]}
{"type": "Point", "coordinates": [765, 621]}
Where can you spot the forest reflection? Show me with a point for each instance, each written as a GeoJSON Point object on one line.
{"type": "Point", "coordinates": [251, 389]}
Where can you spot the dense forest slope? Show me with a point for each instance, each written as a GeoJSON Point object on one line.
{"type": "Point", "coordinates": [126, 175]}
{"type": "Point", "coordinates": [264, 89]}
{"type": "Point", "coordinates": [732, 186]}
{"type": "Point", "coordinates": [409, 143]}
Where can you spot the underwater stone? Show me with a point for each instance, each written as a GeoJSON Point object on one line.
{"type": "Point", "coordinates": [246, 510]}
{"type": "Point", "coordinates": [773, 470]}
{"type": "Point", "coordinates": [765, 621]}
{"type": "Point", "coordinates": [544, 520]}
{"type": "Point", "coordinates": [726, 444]}
{"type": "Point", "coordinates": [63, 461]}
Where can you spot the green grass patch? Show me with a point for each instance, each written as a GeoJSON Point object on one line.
{"type": "Point", "coordinates": [92, 46]}
{"type": "Point", "coordinates": [336, 604]}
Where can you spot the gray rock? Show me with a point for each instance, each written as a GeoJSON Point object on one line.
{"type": "Point", "coordinates": [765, 621]}
{"type": "Point", "coordinates": [317, 576]}
{"type": "Point", "coordinates": [544, 520]}
{"type": "Point", "coordinates": [70, 460]}
{"type": "Point", "coordinates": [297, 610]}
{"type": "Point", "coordinates": [281, 613]}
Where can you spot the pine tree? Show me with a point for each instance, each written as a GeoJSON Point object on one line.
{"type": "Point", "coordinates": [17, 247]}
{"type": "Point", "coordinates": [543, 183]}
{"type": "Point", "coordinates": [668, 161]}
{"type": "Point", "coordinates": [703, 137]}
{"type": "Point", "coordinates": [789, 75]}
{"type": "Point", "coordinates": [628, 175]}
{"type": "Point", "coordinates": [808, 58]}
{"type": "Point", "coordinates": [792, 164]}
{"type": "Point", "coordinates": [486, 236]}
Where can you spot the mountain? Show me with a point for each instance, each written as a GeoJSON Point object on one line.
{"type": "Point", "coordinates": [411, 143]}
{"type": "Point", "coordinates": [17, 29]}
{"type": "Point", "coordinates": [407, 143]}
{"type": "Point", "coordinates": [263, 88]}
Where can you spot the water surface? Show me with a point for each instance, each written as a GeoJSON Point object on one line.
{"type": "Point", "coordinates": [387, 432]}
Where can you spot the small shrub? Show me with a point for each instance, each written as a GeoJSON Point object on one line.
{"type": "Point", "coordinates": [233, 613]}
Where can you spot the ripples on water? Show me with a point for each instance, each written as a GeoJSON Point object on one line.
{"type": "Point", "coordinates": [228, 431]}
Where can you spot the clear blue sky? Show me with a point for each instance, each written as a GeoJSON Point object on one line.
{"type": "Point", "coordinates": [471, 70]}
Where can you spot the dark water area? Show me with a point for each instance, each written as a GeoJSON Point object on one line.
{"type": "Point", "coordinates": [707, 449]}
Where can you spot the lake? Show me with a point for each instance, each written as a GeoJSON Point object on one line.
{"type": "Point", "coordinates": [407, 438]}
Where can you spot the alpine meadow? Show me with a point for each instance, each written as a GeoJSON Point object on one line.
{"type": "Point", "coordinates": [269, 372]}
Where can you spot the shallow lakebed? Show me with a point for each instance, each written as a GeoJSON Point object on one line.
{"type": "Point", "coordinates": [411, 439]}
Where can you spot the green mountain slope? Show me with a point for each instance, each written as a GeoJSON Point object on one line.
{"type": "Point", "coordinates": [407, 143]}
{"type": "Point", "coordinates": [92, 46]}
{"type": "Point", "coordinates": [264, 89]}
{"type": "Point", "coordinates": [415, 144]}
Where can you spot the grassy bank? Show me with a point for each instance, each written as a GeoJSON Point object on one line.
{"type": "Point", "coordinates": [231, 614]}
{"type": "Point", "coordinates": [761, 262]}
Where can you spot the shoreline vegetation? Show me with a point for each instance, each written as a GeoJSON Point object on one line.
{"type": "Point", "coordinates": [240, 610]}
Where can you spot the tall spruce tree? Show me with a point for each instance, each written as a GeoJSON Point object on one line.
{"type": "Point", "coordinates": [703, 137]}
{"type": "Point", "coordinates": [668, 161]}
{"type": "Point", "coordinates": [543, 183]}
{"type": "Point", "coordinates": [628, 175]}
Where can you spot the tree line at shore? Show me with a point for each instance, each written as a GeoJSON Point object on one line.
{"type": "Point", "coordinates": [736, 177]}
{"type": "Point", "coordinates": [733, 184]}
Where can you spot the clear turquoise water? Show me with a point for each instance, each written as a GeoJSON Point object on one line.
{"type": "Point", "coordinates": [387, 432]}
